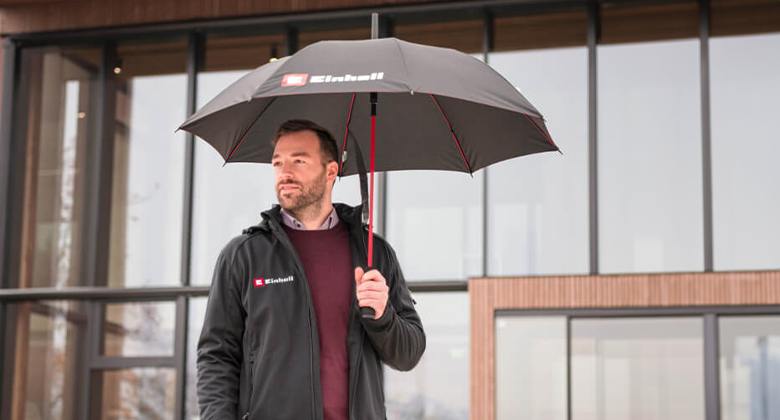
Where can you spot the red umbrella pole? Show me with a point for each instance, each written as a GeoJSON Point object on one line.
{"type": "Point", "coordinates": [371, 194]}
{"type": "Point", "coordinates": [367, 312]}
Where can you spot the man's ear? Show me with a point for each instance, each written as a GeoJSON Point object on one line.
{"type": "Point", "coordinates": [332, 170]}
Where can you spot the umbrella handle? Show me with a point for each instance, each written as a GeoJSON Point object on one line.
{"type": "Point", "coordinates": [367, 312]}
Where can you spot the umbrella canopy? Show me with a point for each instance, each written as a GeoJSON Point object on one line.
{"type": "Point", "coordinates": [437, 108]}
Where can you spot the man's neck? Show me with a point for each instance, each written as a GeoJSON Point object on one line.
{"type": "Point", "coordinates": [312, 217]}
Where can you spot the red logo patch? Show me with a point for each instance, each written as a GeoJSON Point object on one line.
{"type": "Point", "coordinates": [259, 282]}
{"type": "Point", "coordinates": [295, 79]}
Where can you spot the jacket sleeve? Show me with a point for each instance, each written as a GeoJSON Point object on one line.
{"type": "Point", "coordinates": [220, 345]}
{"type": "Point", "coordinates": [398, 334]}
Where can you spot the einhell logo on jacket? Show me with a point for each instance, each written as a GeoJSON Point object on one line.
{"type": "Point", "coordinates": [299, 79]}
{"type": "Point", "coordinates": [261, 282]}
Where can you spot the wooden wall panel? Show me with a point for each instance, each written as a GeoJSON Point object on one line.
{"type": "Point", "coordinates": [641, 291]}
{"type": "Point", "coordinates": [80, 14]}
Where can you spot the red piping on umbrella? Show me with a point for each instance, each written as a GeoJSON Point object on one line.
{"type": "Point", "coordinates": [543, 133]}
{"type": "Point", "coordinates": [346, 130]}
{"type": "Point", "coordinates": [250, 128]}
{"type": "Point", "coordinates": [371, 213]}
{"type": "Point", "coordinates": [452, 132]}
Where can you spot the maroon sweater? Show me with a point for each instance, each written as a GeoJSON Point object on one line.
{"type": "Point", "coordinates": [327, 263]}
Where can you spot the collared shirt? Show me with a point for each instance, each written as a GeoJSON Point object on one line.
{"type": "Point", "coordinates": [291, 222]}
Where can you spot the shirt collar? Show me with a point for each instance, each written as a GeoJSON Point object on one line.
{"type": "Point", "coordinates": [291, 222]}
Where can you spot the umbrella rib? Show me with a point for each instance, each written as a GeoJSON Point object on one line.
{"type": "Point", "coordinates": [543, 133]}
{"type": "Point", "coordinates": [250, 128]}
{"type": "Point", "coordinates": [346, 130]}
{"type": "Point", "coordinates": [457, 142]}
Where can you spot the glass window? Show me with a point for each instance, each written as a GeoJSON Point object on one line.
{"type": "Point", "coordinates": [650, 368]}
{"type": "Point", "coordinates": [745, 85]}
{"type": "Point", "coordinates": [143, 393]}
{"type": "Point", "coordinates": [197, 315]}
{"type": "Point", "coordinates": [148, 178]}
{"type": "Point", "coordinates": [434, 223]}
{"type": "Point", "coordinates": [438, 388]}
{"type": "Point", "coordinates": [749, 367]}
{"type": "Point", "coordinates": [531, 364]}
{"type": "Point", "coordinates": [58, 87]}
{"type": "Point", "coordinates": [649, 154]}
{"type": "Point", "coordinates": [139, 329]}
{"type": "Point", "coordinates": [47, 354]}
{"type": "Point", "coordinates": [538, 205]}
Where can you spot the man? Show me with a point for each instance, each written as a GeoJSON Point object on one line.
{"type": "Point", "coordinates": [283, 338]}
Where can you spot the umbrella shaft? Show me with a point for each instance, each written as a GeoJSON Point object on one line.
{"type": "Point", "coordinates": [371, 194]}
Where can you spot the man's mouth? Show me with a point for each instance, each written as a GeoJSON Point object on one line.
{"type": "Point", "coordinates": [287, 187]}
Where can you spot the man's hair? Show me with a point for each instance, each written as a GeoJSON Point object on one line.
{"type": "Point", "coordinates": [328, 148]}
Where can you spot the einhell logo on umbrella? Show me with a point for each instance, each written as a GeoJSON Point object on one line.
{"type": "Point", "coordinates": [299, 79]}
{"type": "Point", "coordinates": [294, 79]}
{"type": "Point", "coordinates": [261, 282]}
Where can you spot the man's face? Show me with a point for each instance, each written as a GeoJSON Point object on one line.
{"type": "Point", "coordinates": [300, 178]}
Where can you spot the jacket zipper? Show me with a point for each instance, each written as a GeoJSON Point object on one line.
{"type": "Point", "coordinates": [291, 249]}
{"type": "Point", "coordinates": [251, 383]}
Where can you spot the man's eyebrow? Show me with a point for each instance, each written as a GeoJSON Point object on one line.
{"type": "Point", "coordinates": [295, 154]}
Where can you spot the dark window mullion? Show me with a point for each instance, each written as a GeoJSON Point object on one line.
{"type": "Point", "coordinates": [706, 133]}
{"type": "Point", "coordinates": [195, 59]}
{"type": "Point", "coordinates": [9, 64]}
{"type": "Point", "coordinates": [711, 367]}
{"type": "Point", "coordinates": [103, 363]}
{"type": "Point", "coordinates": [593, 35]}
{"type": "Point", "coordinates": [568, 369]}
{"type": "Point", "coordinates": [488, 37]}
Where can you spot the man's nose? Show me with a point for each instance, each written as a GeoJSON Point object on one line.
{"type": "Point", "coordinates": [284, 171]}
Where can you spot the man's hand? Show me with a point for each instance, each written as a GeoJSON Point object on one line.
{"type": "Point", "coordinates": [371, 290]}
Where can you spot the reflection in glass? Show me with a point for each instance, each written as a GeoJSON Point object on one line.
{"type": "Point", "coordinates": [226, 198]}
{"type": "Point", "coordinates": [434, 223]}
{"type": "Point", "coordinates": [438, 388]}
{"type": "Point", "coordinates": [146, 393]}
{"type": "Point", "coordinates": [750, 367]}
{"type": "Point", "coordinates": [538, 205]}
{"type": "Point", "coordinates": [139, 329]}
{"type": "Point", "coordinates": [46, 360]}
{"type": "Point", "coordinates": [196, 316]}
{"type": "Point", "coordinates": [651, 369]}
{"type": "Point", "coordinates": [649, 154]}
{"type": "Point", "coordinates": [531, 368]}
{"type": "Point", "coordinates": [148, 177]}
{"type": "Point", "coordinates": [59, 86]}
{"type": "Point", "coordinates": [745, 78]}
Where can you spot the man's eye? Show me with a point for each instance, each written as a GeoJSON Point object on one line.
{"type": "Point", "coordinates": [276, 163]}
{"type": "Point", "coordinates": [298, 160]}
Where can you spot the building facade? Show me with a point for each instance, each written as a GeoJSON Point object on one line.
{"type": "Point", "coordinates": [637, 275]}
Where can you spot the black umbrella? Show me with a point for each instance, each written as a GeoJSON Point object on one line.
{"type": "Point", "coordinates": [438, 109]}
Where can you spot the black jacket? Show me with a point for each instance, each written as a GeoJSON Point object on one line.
{"type": "Point", "coordinates": [258, 353]}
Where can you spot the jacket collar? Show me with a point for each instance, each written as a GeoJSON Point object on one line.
{"type": "Point", "coordinates": [348, 214]}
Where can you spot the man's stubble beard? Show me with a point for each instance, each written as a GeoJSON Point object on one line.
{"type": "Point", "coordinates": [308, 201]}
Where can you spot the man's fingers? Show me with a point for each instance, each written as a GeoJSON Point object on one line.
{"type": "Point", "coordinates": [358, 275]}
{"type": "Point", "coordinates": [372, 285]}
{"type": "Point", "coordinates": [372, 294]}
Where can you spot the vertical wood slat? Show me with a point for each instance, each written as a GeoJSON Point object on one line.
{"type": "Point", "coordinates": [619, 291]}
